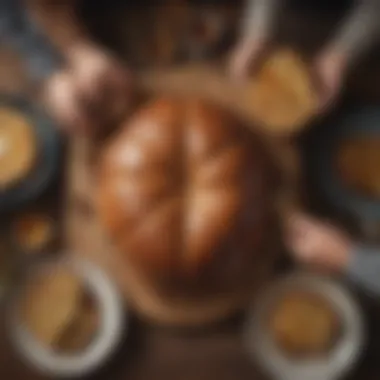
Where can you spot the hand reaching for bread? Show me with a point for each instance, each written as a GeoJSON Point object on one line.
{"type": "Point", "coordinates": [330, 70]}
{"type": "Point", "coordinates": [93, 90]}
{"type": "Point", "coordinates": [317, 244]}
{"type": "Point", "coordinates": [354, 37]}
{"type": "Point", "coordinates": [244, 56]}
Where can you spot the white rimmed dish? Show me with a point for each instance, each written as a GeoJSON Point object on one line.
{"type": "Point", "coordinates": [113, 324]}
{"type": "Point", "coordinates": [336, 364]}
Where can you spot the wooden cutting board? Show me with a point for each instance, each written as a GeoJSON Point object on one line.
{"type": "Point", "coordinates": [87, 239]}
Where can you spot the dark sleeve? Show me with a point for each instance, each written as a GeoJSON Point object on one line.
{"type": "Point", "coordinates": [359, 31]}
{"type": "Point", "coordinates": [364, 269]}
{"type": "Point", "coordinates": [19, 32]}
{"type": "Point", "coordinates": [258, 17]}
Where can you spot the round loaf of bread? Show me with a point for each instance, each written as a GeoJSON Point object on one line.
{"type": "Point", "coordinates": [184, 194]}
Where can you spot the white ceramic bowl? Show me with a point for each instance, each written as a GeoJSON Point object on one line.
{"type": "Point", "coordinates": [337, 364]}
{"type": "Point", "coordinates": [113, 324]}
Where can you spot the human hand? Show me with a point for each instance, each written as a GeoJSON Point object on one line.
{"type": "Point", "coordinates": [358, 32]}
{"type": "Point", "coordinates": [245, 55]}
{"type": "Point", "coordinates": [258, 21]}
{"type": "Point", "coordinates": [316, 243]}
{"type": "Point", "coordinates": [330, 70]}
{"type": "Point", "coordinates": [93, 89]}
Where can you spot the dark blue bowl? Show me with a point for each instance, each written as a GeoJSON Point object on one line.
{"type": "Point", "coordinates": [355, 121]}
{"type": "Point", "coordinates": [48, 161]}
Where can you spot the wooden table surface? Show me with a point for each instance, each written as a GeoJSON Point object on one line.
{"type": "Point", "coordinates": [215, 353]}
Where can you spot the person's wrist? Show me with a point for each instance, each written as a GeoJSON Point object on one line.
{"type": "Point", "coordinates": [342, 59]}
{"type": "Point", "coordinates": [79, 50]}
{"type": "Point", "coordinates": [43, 90]}
{"type": "Point", "coordinates": [335, 57]}
{"type": "Point", "coordinates": [250, 42]}
{"type": "Point", "coordinates": [345, 255]}
{"type": "Point", "coordinates": [338, 250]}
{"type": "Point", "coordinates": [245, 54]}
{"type": "Point", "coordinates": [338, 258]}
{"type": "Point", "coordinates": [330, 69]}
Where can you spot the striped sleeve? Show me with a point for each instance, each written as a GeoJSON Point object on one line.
{"type": "Point", "coordinates": [364, 269]}
{"type": "Point", "coordinates": [18, 31]}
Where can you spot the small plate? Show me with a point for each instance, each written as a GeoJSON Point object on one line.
{"type": "Point", "coordinates": [106, 341]}
{"type": "Point", "coordinates": [364, 120]}
{"type": "Point", "coordinates": [49, 153]}
{"type": "Point", "coordinates": [342, 358]}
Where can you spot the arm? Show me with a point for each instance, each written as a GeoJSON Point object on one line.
{"type": "Point", "coordinates": [321, 245]}
{"type": "Point", "coordinates": [258, 18]}
{"type": "Point", "coordinates": [74, 92]}
{"type": "Point", "coordinates": [18, 31]}
{"type": "Point", "coordinates": [364, 268]}
{"type": "Point", "coordinates": [93, 79]}
{"type": "Point", "coordinates": [359, 31]}
{"type": "Point", "coordinates": [256, 29]}
{"type": "Point", "coordinates": [60, 20]}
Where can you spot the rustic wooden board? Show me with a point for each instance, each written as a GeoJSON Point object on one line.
{"type": "Point", "coordinates": [87, 239]}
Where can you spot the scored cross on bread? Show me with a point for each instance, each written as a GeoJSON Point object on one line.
{"type": "Point", "coordinates": [183, 193]}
